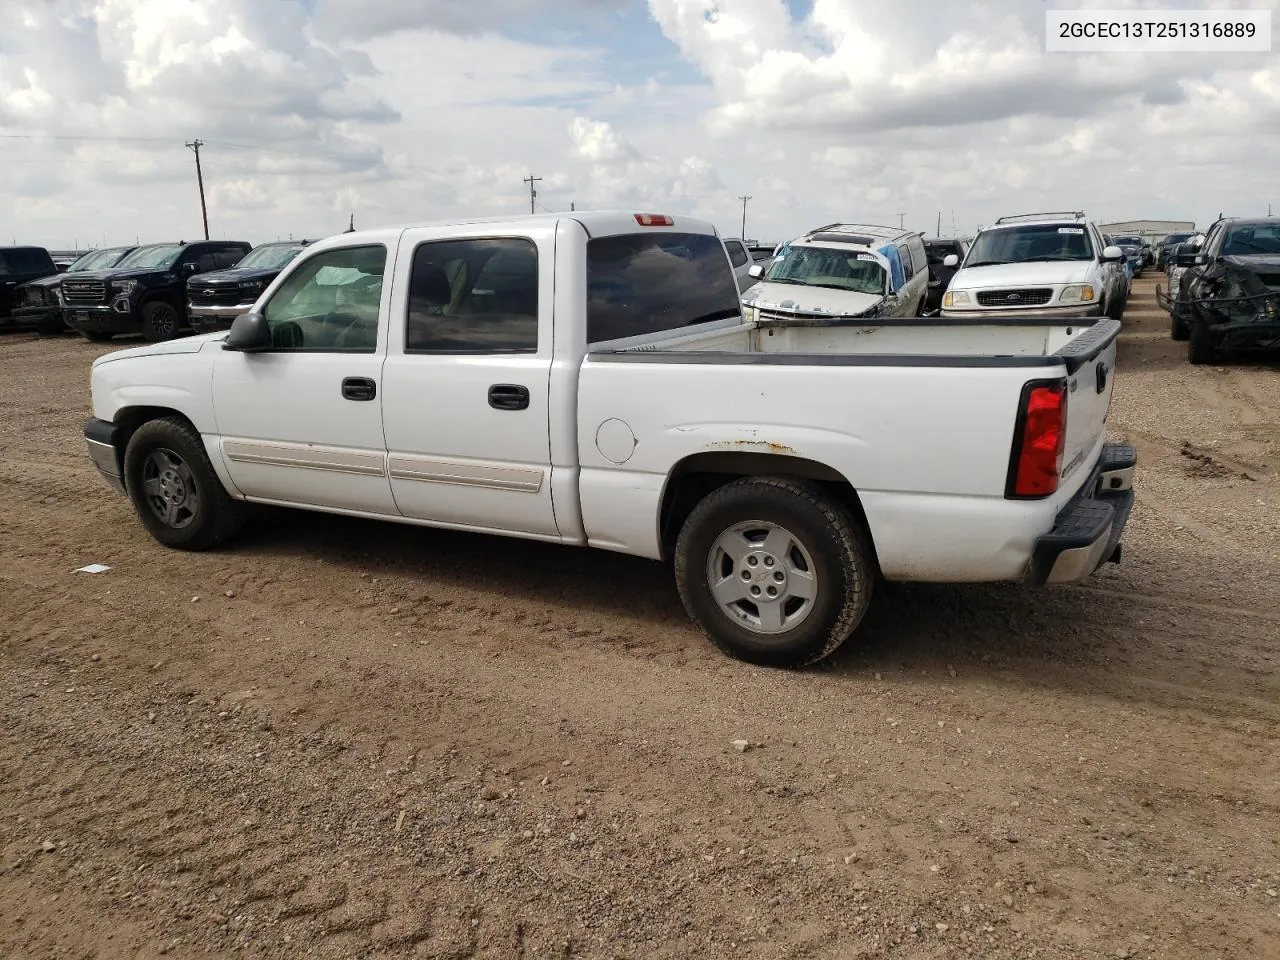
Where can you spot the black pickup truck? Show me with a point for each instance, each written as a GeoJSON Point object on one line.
{"type": "Point", "coordinates": [40, 301]}
{"type": "Point", "coordinates": [1227, 297]}
{"type": "Point", "coordinates": [19, 265]}
{"type": "Point", "coordinates": [146, 291]}
{"type": "Point", "coordinates": [215, 299]}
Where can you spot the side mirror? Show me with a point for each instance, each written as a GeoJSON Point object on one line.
{"type": "Point", "coordinates": [1112, 254]}
{"type": "Point", "coordinates": [249, 334]}
{"type": "Point", "coordinates": [756, 271]}
{"type": "Point", "coordinates": [189, 268]}
{"type": "Point", "coordinates": [951, 260]}
{"type": "Point", "coordinates": [1188, 255]}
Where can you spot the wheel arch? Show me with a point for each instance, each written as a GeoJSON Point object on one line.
{"type": "Point", "coordinates": [128, 419]}
{"type": "Point", "coordinates": [697, 475]}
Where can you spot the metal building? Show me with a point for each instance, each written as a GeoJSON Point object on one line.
{"type": "Point", "coordinates": [1150, 230]}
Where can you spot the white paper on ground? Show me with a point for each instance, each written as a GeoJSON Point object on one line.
{"type": "Point", "coordinates": [93, 568]}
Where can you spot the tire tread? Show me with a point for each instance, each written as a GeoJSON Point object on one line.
{"type": "Point", "coordinates": [852, 546]}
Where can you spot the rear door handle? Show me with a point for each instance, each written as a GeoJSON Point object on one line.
{"type": "Point", "coordinates": [508, 396]}
{"type": "Point", "coordinates": [359, 388]}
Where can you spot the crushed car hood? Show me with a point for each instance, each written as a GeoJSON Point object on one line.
{"type": "Point", "coordinates": [795, 298]}
{"type": "Point", "coordinates": [166, 348]}
{"type": "Point", "coordinates": [1037, 274]}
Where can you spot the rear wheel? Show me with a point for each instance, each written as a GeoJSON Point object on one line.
{"type": "Point", "coordinates": [160, 321]}
{"type": "Point", "coordinates": [774, 571]}
{"type": "Point", "coordinates": [174, 489]}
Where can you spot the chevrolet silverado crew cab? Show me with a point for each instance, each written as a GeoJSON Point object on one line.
{"type": "Point", "coordinates": [215, 299]}
{"type": "Point", "coordinates": [145, 292]}
{"type": "Point", "coordinates": [843, 270]}
{"type": "Point", "coordinates": [588, 379]}
{"type": "Point", "coordinates": [1040, 264]}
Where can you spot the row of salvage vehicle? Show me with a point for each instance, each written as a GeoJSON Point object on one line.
{"type": "Point", "coordinates": [158, 290]}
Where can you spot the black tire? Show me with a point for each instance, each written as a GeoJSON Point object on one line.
{"type": "Point", "coordinates": [51, 328]}
{"type": "Point", "coordinates": [96, 336]}
{"type": "Point", "coordinates": [1178, 328]}
{"type": "Point", "coordinates": [819, 533]}
{"type": "Point", "coordinates": [160, 321]}
{"type": "Point", "coordinates": [187, 506]}
{"type": "Point", "coordinates": [1202, 346]}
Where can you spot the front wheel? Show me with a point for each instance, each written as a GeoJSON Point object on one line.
{"type": "Point", "coordinates": [774, 571]}
{"type": "Point", "coordinates": [174, 489]}
{"type": "Point", "coordinates": [1202, 346]}
{"type": "Point", "coordinates": [1178, 328]}
{"type": "Point", "coordinates": [160, 321]}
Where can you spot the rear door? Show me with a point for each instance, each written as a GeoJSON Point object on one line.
{"type": "Point", "coordinates": [465, 385]}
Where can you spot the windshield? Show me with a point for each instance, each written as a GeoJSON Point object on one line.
{"type": "Point", "coordinates": [824, 267]}
{"type": "Point", "coordinates": [1026, 244]}
{"type": "Point", "coordinates": [1252, 238]}
{"type": "Point", "coordinates": [160, 256]}
{"type": "Point", "coordinates": [98, 260]}
{"type": "Point", "coordinates": [269, 256]}
{"type": "Point", "coordinates": [1127, 241]}
{"type": "Point", "coordinates": [1177, 238]}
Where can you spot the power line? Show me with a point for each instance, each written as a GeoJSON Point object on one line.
{"type": "Point", "coordinates": [204, 212]}
{"type": "Point", "coordinates": [533, 193]}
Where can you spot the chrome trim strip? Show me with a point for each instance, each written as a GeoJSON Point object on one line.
{"type": "Point", "coordinates": [305, 458]}
{"type": "Point", "coordinates": [425, 470]}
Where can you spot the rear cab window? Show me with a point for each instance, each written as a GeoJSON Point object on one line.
{"type": "Point", "coordinates": [648, 283]}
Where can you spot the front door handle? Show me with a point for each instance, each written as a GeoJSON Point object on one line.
{"type": "Point", "coordinates": [508, 396]}
{"type": "Point", "coordinates": [359, 388]}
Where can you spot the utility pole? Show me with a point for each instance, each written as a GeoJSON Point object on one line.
{"type": "Point", "coordinates": [901, 219]}
{"type": "Point", "coordinates": [533, 193]}
{"type": "Point", "coordinates": [204, 212]}
{"type": "Point", "coordinates": [744, 215]}
{"type": "Point", "coordinates": [939, 233]}
{"type": "Point", "coordinates": [573, 206]}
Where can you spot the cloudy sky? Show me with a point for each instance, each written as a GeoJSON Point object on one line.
{"type": "Point", "coordinates": [405, 110]}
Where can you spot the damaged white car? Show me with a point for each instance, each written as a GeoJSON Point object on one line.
{"type": "Point", "coordinates": [842, 270]}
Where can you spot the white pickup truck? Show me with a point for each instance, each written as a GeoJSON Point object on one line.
{"type": "Point", "coordinates": [588, 379]}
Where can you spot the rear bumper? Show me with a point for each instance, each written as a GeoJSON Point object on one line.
{"type": "Point", "coordinates": [1087, 531]}
{"type": "Point", "coordinates": [100, 437]}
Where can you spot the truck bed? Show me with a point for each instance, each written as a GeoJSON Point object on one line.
{"type": "Point", "coordinates": [901, 342]}
{"type": "Point", "coordinates": [918, 416]}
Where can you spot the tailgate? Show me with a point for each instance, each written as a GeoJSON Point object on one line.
{"type": "Point", "coordinates": [1090, 359]}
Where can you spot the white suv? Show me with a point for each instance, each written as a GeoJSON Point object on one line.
{"type": "Point", "coordinates": [1052, 265]}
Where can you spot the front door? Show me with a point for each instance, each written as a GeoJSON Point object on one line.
{"type": "Point", "coordinates": [302, 423]}
{"type": "Point", "coordinates": [466, 379]}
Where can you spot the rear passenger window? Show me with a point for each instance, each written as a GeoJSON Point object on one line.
{"type": "Point", "coordinates": [737, 254]}
{"type": "Point", "coordinates": [908, 269]}
{"type": "Point", "coordinates": [474, 296]}
{"type": "Point", "coordinates": [227, 258]}
{"type": "Point", "coordinates": [644, 283]}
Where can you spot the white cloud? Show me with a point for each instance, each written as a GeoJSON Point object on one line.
{"type": "Point", "coordinates": [425, 109]}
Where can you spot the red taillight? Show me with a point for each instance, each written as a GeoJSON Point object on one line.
{"type": "Point", "coordinates": [1044, 436]}
{"type": "Point", "coordinates": [654, 220]}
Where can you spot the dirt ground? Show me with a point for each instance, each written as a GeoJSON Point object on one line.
{"type": "Point", "coordinates": [342, 739]}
